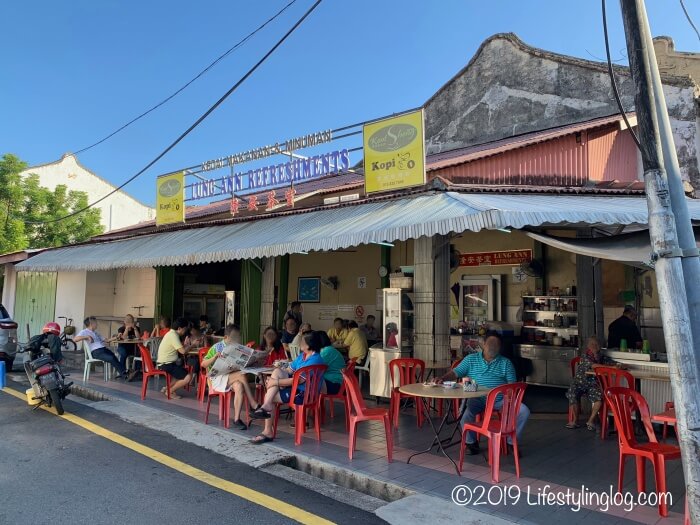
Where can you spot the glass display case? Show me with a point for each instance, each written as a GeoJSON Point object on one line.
{"type": "Point", "coordinates": [398, 319]}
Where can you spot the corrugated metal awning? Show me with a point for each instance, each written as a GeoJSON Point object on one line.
{"type": "Point", "coordinates": [343, 227]}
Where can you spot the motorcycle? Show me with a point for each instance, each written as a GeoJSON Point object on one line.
{"type": "Point", "coordinates": [46, 378]}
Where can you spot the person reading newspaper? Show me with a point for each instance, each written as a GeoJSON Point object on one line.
{"type": "Point", "coordinates": [234, 380]}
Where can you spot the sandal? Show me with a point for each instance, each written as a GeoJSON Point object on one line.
{"type": "Point", "coordinates": [572, 426]}
{"type": "Point", "coordinates": [260, 413]}
{"type": "Point", "coordinates": [173, 395]}
{"type": "Point", "coordinates": [590, 427]}
{"type": "Point", "coordinates": [260, 438]}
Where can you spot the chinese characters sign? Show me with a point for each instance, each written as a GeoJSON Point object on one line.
{"type": "Point", "coordinates": [394, 153]}
{"type": "Point", "coordinates": [495, 258]}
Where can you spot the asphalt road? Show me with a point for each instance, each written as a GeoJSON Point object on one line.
{"type": "Point", "coordinates": [52, 471]}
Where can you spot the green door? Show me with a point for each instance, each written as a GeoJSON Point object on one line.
{"type": "Point", "coordinates": [35, 301]}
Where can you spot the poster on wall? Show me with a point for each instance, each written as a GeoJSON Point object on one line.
{"type": "Point", "coordinates": [394, 153]}
{"type": "Point", "coordinates": [495, 258]}
{"type": "Point", "coordinates": [327, 313]}
{"type": "Point", "coordinates": [170, 199]}
{"type": "Point", "coordinates": [309, 289]}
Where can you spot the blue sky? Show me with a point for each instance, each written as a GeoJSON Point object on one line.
{"type": "Point", "coordinates": [74, 71]}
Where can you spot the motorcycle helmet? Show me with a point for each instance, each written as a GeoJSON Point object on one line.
{"type": "Point", "coordinates": [51, 328]}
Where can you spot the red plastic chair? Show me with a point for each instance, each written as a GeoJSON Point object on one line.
{"type": "Point", "coordinates": [609, 376]}
{"type": "Point", "coordinates": [667, 406]}
{"type": "Point", "coordinates": [202, 379]}
{"type": "Point", "coordinates": [340, 396]}
{"type": "Point", "coordinates": [358, 412]}
{"type": "Point", "coordinates": [313, 376]}
{"type": "Point", "coordinates": [149, 370]}
{"type": "Point", "coordinates": [573, 364]}
{"type": "Point", "coordinates": [405, 371]}
{"type": "Point", "coordinates": [623, 402]}
{"type": "Point", "coordinates": [497, 430]}
{"type": "Point", "coordinates": [224, 406]}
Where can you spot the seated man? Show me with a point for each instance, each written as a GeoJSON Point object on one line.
{"type": "Point", "coordinates": [490, 369]}
{"type": "Point", "coordinates": [355, 343]}
{"type": "Point", "coordinates": [169, 352]}
{"type": "Point", "coordinates": [289, 333]}
{"type": "Point", "coordinates": [370, 331]}
{"type": "Point", "coordinates": [98, 345]}
{"type": "Point", "coordinates": [338, 333]}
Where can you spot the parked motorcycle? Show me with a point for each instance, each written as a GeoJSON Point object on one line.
{"type": "Point", "coordinates": [44, 374]}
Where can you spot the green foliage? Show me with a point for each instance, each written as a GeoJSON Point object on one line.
{"type": "Point", "coordinates": [24, 202]}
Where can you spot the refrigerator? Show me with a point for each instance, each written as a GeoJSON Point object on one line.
{"type": "Point", "coordinates": [479, 301]}
{"type": "Point", "coordinates": [200, 299]}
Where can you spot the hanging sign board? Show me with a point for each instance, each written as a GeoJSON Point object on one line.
{"type": "Point", "coordinates": [394, 153]}
{"type": "Point", "coordinates": [495, 258]}
{"type": "Point", "coordinates": [170, 196]}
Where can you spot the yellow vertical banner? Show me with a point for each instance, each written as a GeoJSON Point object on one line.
{"type": "Point", "coordinates": [170, 198]}
{"type": "Point", "coordinates": [394, 153]}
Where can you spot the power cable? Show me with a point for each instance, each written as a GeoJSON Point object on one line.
{"type": "Point", "coordinates": [200, 74]}
{"type": "Point", "coordinates": [623, 113]}
{"type": "Point", "coordinates": [690, 20]}
{"type": "Point", "coordinates": [196, 123]}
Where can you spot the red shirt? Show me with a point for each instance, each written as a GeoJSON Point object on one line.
{"type": "Point", "coordinates": [275, 355]}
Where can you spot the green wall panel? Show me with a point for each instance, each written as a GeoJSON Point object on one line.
{"type": "Point", "coordinates": [35, 301]}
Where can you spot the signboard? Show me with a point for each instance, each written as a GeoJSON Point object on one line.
{"type": "Point", "coordinates": [170, 196]}
{"type": "Point", "coordinates": [394, 153]}
{"type": "Point", "coordinates": [495, 258]}
{"type": "Point", "coordinates": [272, 176]}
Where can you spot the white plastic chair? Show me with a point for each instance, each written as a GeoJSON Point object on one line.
{"type": "Point", "coordinates": [89, 360]}
{"type": "Point", "coordinates": [362, 368]}
{"type": "Point", "coordinates": [293, 351]}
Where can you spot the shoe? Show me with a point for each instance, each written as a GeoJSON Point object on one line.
{"type": "Point", "coordinates": [240, 424]}
{"type": "Point", "coordinates": [473, 449]}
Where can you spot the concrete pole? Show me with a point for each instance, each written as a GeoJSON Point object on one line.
{"type": "Point", "coordinates": [686, 238]}
{"type": "Point", "coordinates": [267, 303]}
{"type": "Point", "coordinates": [669, 272]}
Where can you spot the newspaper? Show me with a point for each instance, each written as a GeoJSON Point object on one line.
{"type": "Point", "coordinates": [235, 357]}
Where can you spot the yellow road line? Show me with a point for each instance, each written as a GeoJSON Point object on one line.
{"type": "Point", "coordinates": [270, 503]}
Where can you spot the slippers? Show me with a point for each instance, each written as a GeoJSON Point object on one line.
{"type": "Point", "coordinates": [590, 427]}
{"type": "Point", "coordinates": [173, 395]}
{"type": "Point", "coordinates": [162, 390]}
{"type": "Point", "coordinates": [260, 438]}
{"type": "Point", "coordinates": [260, 413]}
{"type": "Point", "coordinates": [572, 426]}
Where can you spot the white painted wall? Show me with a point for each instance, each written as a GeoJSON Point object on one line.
{"type": "Point", "coordinates": [70, 296]}
{"type": "Point", "coordinates": [9, 288]}
{"type": "Point", "coordinates": [123, 209]}
{"type": "Point", "coordinates": [135, 287]}
{"type": "Point", "coordinates": [99, 293]}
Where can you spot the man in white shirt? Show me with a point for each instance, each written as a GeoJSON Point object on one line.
{"type": "Point", "coordinates": [98, 345]}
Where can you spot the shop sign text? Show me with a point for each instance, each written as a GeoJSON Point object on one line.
{"type": "Point", "coordinates": [495, 258]}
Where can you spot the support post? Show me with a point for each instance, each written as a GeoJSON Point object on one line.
{"type": "Point", "coordinates": [683, 361]}
{"type": "Point", "coordinates": [267, 303]}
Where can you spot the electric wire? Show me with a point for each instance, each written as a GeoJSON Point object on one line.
{"type": "Point", "coordinates": [611, 73]}
{"type": "Point", "coordinates": [690, 20]}
{"type": "Point", "coordinates": [199, 75]}
{"type": "Point", "coordinates": [196, 123]}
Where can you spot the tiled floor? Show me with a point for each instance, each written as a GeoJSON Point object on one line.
{"type": "Point", "coordinates": [554, 460]}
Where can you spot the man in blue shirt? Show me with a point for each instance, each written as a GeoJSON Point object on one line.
{"type": "Point", "coordinates": [490, 369]}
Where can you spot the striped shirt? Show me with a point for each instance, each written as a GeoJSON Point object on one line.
{"type": "Point", "coordinates": [496, 373]}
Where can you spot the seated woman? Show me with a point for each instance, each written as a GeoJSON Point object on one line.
{"type": "Point", "coordinates": [583, 384]}
{"type": "Point", "coordinates": [279, 384]}
{"type": "Point", "coordinates": [235, 380]}
{"type": "Point", "coordinates": [163, 327]}
{"type": "Point", "coordinates": [128, 332]}
{"type": "Point", "coordinates": [303, 329]}
{"type": "Point", "coordinates": [334, 360]}
{"type": "Point", "coordinates": [271, 342]}
{"type": "Point", "coordinates": [194, 341]}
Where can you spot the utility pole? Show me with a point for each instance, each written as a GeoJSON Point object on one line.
{"type": "Point", "coordinates": [666, 250]}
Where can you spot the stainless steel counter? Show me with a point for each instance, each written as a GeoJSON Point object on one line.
{"type": "Point", "coordinates": [547, 365]}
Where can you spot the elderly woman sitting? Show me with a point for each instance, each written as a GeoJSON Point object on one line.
{"type": "Point", "coordinates": [583, 384]}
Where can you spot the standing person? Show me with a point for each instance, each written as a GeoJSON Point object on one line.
{"type": "Point", "coordinates": [294, 312]}
{"type": "Point", "coordinates": [289, 333]}
{"type": "Point", "coordinates": [490, 369]}
{"type": "Point", "coordinates": [624, 327]}
{"type": "Point", "coordinates": [583, 384]}
{"type": "Point", "coordinates": [98, 345]}
{"type": "Point", "coordinates": [370, 331]}
{"type": "Point", "coordinates": [355, 343]}
{"type": "Point", "coordinates": [169, 352]}
{"type": "Point", "coordinates": [129, 331]}
{"type": "Point", "coordinates": [279, 385]}
{"type": "Point", "coordinates": [235, 380]}
{"type": "Point", "coordinates": [272, 344]}
{"type": "Point", "coordinates": [338, 333]}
